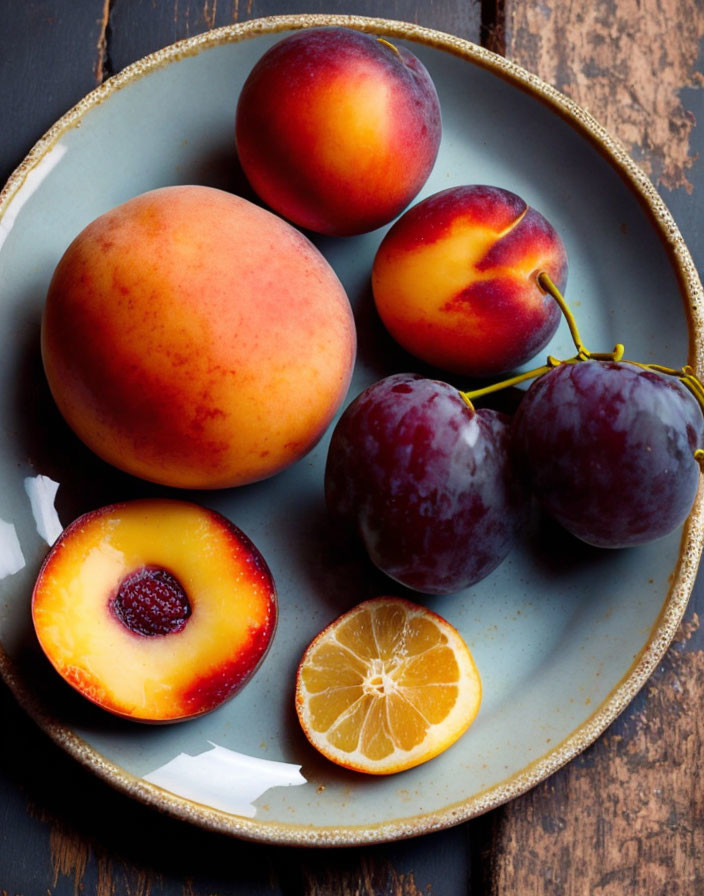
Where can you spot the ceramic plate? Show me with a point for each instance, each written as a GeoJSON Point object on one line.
{"type": "Point", "coordinates": [563, 635]}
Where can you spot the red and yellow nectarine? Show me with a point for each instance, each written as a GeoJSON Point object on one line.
{"type": "Point", "coordinates": [155, 610]}
{"type": "Point", "coordinates": [455, 280]}
{"type": "Point", "coordinates": [196, 340]}
{"type": "Point", "coordinates": [337, 130]}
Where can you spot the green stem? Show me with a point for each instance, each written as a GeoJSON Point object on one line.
{"type": "Point", "coordinates": [388, 44]}
{"type": "Point", "coordinates": [546, 284]}
{"type": "Point", "coordinates": [505, 384]}
{"type": "Point", "coordinates": [686, 375]}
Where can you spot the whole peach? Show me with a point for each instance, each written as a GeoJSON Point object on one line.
{"type": "Point", "coordinates": [194, 339]}
{"type": "Point", "coordinates": [337, 130]}
{"type": "Point", "coordinates": [454, 280]}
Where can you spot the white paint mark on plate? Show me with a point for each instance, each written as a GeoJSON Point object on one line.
{"type": "Point", "coordinates": [223, 779]}
{"type": "Point", "coordinates": [41, 491]}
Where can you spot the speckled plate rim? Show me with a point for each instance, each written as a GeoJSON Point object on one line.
{"type": "Point", "coordinates": [683, 575]}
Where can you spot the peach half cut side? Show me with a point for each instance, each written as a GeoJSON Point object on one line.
{"type": "Point", "coordinates": [156, 610]}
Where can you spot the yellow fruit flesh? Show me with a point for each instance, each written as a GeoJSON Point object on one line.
{"type": "Point", "coordinates": [147, 677]}
{"type": "Point", "coordinates": [387, 686]}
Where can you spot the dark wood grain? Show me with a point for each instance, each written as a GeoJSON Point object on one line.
{"type": "Point", "coordinates": [626, 817]}
{"type": "Point", "coordinates": [48, 58]}
{"type": "Point", "coordinates": [132, 34]}
{"type": "Point", "coordinates": [63, 831]}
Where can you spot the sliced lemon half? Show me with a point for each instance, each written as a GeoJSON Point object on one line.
{"type": "Point", "coordinates": [386, 686]}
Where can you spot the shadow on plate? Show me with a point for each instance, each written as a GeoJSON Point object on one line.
{"type": "Point", "coordinates": [221, 169]}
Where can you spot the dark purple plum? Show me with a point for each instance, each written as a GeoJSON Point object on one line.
{"type": "Point", "coordinates": [608, 449]}
{"type": "Point", "coordinates": [425, 482]}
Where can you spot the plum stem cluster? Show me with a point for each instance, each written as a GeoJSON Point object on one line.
{"type": "Point", "coordinates": [685, 374]}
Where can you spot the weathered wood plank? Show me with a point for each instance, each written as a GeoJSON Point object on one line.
{"type": "Point", "coordinates": [627, 817]}
{"type": "Point", "coordinates": [627, 63]}
{"type": "Point", "coordinates": [65, 832]}
{"type": "Point", "coordinates": [61, 830]}
{"type": "Point", "coordinates": [435, 865]}
{"type": "Point", "coordinates": [132, 34]}
{"type": "Point", "coordinates": [22, 838]}
{"type": "Point", "coordinates": [39, 39]}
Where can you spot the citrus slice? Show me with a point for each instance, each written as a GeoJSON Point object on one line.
{"type": "Point", "coordinates": [388, 685]}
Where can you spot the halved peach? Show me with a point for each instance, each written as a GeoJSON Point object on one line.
{"type": "Point", "coordinates": [156, 610]}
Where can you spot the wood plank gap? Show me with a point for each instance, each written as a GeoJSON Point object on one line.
{"type": "Point", "coordinates": [493, 26]}
{"type": "Point", "coordinates": [104, 68]}
{"type": "Point", "coordinates": [481, 836]}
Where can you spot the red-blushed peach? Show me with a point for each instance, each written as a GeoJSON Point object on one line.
{"type": "Point", "coordinates": [194, 339]}
{"type": "Point", "coordinates": [338, 130]}
{"type": "Point", "coordinates": [155, 610]}
{"type": "Point", "coordinates": [454, 280]}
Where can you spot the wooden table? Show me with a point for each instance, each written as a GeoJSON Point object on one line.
{"type": "Point", "coordinates": [627, 817]}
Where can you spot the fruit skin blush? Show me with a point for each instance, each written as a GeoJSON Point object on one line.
{"type": "Point", "coordinates": [193, 339]}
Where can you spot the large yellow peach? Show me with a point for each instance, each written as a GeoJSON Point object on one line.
{"type": "Point", "coordinates": [194, 339]}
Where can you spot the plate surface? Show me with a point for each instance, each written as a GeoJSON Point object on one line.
{"type": "Point", "coordinates": [563, 635]}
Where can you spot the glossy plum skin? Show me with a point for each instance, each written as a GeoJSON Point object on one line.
{"type": "Point", "coordinates": [336, 130]}
{"type": "Point", "coordinates": [455, 280]}
{"type": "Point", "coordinates": [608, 450]}
{"type": "Point", "coordinates": [425, 482]}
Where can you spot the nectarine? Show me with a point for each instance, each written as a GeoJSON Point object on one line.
{"type": "Point", "coordinates": [155, 610]}
{"type": "Point", "coordinates": [337, 130]}
{"type": "Point", "coordinates": [455, 280]}
{"type": "Point", "coordinates": [196, 340]}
